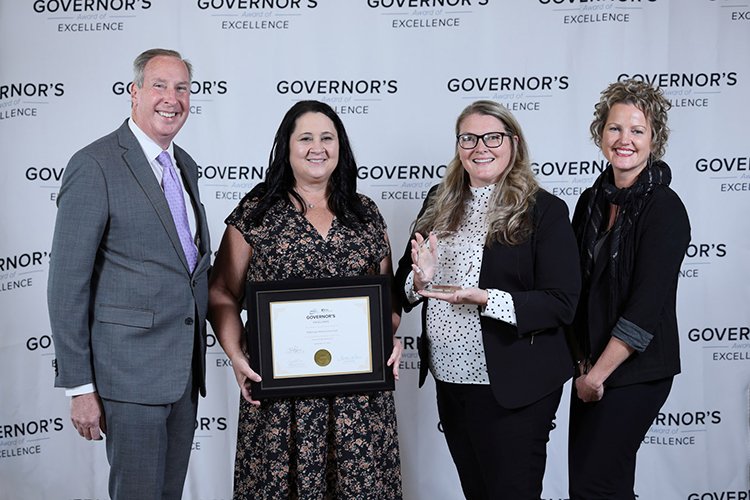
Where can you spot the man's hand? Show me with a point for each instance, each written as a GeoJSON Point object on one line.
{"type": "Point", "coordinates": [87, 415]}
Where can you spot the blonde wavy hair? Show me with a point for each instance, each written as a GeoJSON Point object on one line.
{"type": "Point", "coordinates": [509, 217]}
{"type": "Point", "coordinates": [650, 100]}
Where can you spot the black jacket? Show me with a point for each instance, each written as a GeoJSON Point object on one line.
{"type": "Point", "coordinates": [662, 235]}
{"type": "Point", "coordinates": [527, 362]}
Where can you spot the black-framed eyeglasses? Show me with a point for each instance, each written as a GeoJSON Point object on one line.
{"type": "Point", "coordinates": [490, 139]}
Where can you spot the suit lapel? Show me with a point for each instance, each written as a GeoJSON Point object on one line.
{"type": "Point", "coordinates": [139, 166]}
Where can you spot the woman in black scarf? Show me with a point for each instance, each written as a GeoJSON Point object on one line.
{"type": "Point", "coordinates": [632, 232]}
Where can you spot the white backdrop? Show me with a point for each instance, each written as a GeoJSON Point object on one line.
{"type": "Point", "coordinates": [398, 72]}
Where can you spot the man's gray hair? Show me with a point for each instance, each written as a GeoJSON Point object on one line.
{"type": "Point", "coordinates": [139, 65]}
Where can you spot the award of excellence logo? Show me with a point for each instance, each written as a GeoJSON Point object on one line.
{"type": "Point", "coordinates": [17, 272]}
{"type": "Point", "coordinates": [322, 314]}
{"type": "Point", "coordinates": [688, 90]}
{"type": "Point", "coordinates": [568, 178]}
{"type": "Point", "coordinates": [255, 15]}
{"type": "Point", "coordinates": [410, 353]}
{"type": "Point", "coordinates": [46, 178]}
{"type": "Point", "coordinates": [18, 439]}
{"type": "Point", "coordinates": [578, 12]}
{"type": "Point", "coordinates": [680, 429]}
{"type": "Point", "coordinates": [215, 355]}
{"type": "Point", "coordinates": [700, 256]}
{"type": "Point", "coordinates": [22, 100]}
{"type": "Point", "coordinates": [42, 345]}
{"type": "Point", "coordinates": [720, 495]}
{"type": "Point", "coordinates": [515, 92]}
{"type": "Point", "coordinates": [737, 12]}
{"type": "Point", "coordinates": [202, 93]}
{"type": "Point", "coordinates": [724, 343]}
{"type": "Point", "coordinates": [345, 96]}
{"type": "Point", "coordinates": [730, 175]}
{"type": "Point", "coordinates": [39, 343]}
{"type": "Point", "coordinates": [229, 182]}
{"type": "Point", "coordinates": [401, 182]}
{"type": "Point", "coordinates": [208, 428]}
{"type": "Point", "coordinates": [425, 14]}
{"type": "Point", "coordinates": [90, 16]}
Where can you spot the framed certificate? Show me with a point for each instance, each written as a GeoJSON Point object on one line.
{"type": "Point", "coordinates": [322, 336]}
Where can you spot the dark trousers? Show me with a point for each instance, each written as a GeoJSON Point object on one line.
{"type": "Point", "coordinates": [499, 453]}
{"type": "Point", "coordinates": [605, 436]}
{"type": "Point", "coordinates": [148, 446]}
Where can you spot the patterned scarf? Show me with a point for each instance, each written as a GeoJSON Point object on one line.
{"type": "Point", "coordinates": [630, 201]}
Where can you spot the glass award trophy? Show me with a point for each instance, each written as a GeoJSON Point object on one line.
{"type": "Point", "coordinates": [452, 263]}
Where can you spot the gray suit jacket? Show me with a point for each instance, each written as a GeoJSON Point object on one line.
{"type": "Point", "coordinates": [124, 308]}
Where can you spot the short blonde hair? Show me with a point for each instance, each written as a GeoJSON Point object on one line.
{"type": "Point", "coordinates": [650, 100]}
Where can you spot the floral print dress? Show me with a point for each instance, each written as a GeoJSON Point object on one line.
{"type": "Point", "coordinates": [331, 447]}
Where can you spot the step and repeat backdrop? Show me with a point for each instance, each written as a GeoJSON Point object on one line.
{"type": "Point", "coordinates": [398, 72]}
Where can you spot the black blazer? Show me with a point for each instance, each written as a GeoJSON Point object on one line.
{"type": "Point", "coordinates": [662, 235]}
{"type": "Point", "coordinates": [528, 361]}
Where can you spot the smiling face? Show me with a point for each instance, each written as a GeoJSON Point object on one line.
{"type": "Point", "coordinates": [626, 142]}
{"type": "Point", "coordinates": [484, 165]}
{"type": "Point", "coordinates": [313, 149]}
{"type": "Point", "coordinates": [162, 105]}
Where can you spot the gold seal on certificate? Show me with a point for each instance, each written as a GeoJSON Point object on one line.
{"type": "Point", "coordinates": [322, 357]}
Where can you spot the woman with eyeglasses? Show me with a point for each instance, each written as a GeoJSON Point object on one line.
{"type": "Point", "coordinates": [633, 232]}
{"type": "Point", "coordinates": [493, 311]}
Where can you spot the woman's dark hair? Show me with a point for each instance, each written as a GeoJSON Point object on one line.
{"type": "Point", "coordinates": [279, 183]}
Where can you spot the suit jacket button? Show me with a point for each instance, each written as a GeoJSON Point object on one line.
{"type": "Point", "coordinates": [188, 321]}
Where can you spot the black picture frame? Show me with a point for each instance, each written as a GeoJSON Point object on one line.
{"type": "Point", "coordinates": [260, 295]}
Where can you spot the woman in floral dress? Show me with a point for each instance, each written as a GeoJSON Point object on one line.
{"type": "Point", "coordinates": [306, 221]}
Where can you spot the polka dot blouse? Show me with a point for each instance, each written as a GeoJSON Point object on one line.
{"type": "Point", "coordinates": [456, 349]}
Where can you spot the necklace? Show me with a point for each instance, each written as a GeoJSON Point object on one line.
{"type": "Point", "coordinates": [309, 204]}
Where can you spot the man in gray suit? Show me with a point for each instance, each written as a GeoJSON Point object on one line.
{"type": "Point", "coordinates": [127, 290]}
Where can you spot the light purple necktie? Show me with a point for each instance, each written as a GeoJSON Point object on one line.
{"type": "Point", "coordinates": [173, 192]}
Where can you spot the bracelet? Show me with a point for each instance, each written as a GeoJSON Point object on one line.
{"type": "Point", "coordinates": [424, 285]}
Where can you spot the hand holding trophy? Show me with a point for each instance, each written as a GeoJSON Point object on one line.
{"type": "Point", "coordinates": [438, 265]}
{"type": "Point", "coordinates": [424, 259]}
{"type": "Point", "coordinates": [441, 267]}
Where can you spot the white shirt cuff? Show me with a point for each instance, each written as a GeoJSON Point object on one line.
{"type": "Point", "coordinates": [499, 306]}
{"type": "Point", "coordinates": [411, 295]}
{"type": "Point", "coordinates": [81, 389]}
